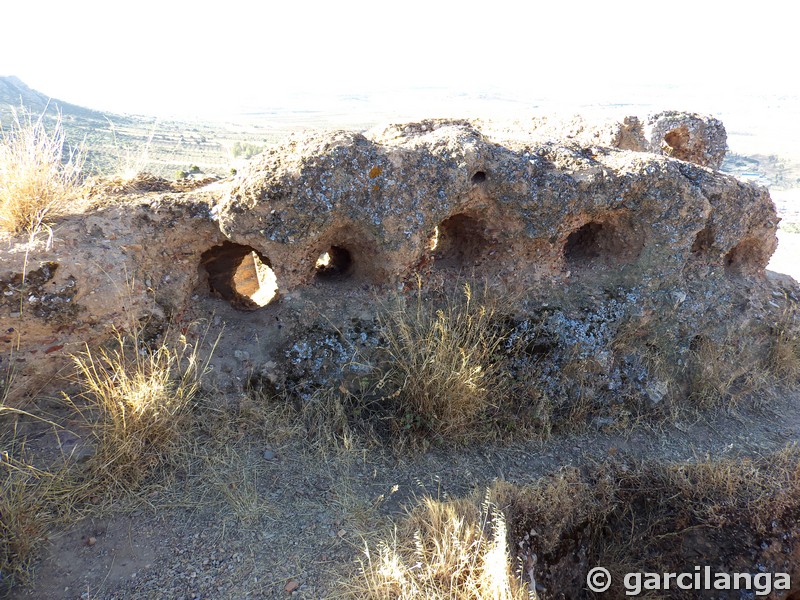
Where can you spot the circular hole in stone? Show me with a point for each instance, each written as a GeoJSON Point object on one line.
{"type": "Point", "coordinates": [676, 143]}
{"type": "Point", "coordinates": [458, 241]}
{"type": "Point", "coordinates": [601, 243]}
{"type": "Point", "coordinates": [479, 177]}
{"type": "Point", "coordinates": [585, 244]}
{"type": "Point", "coordinates": [334, 263]}
{"type": "Point", "coordinates": [241, 275]}
{"type": "Point", "coordinates": [677, 139]}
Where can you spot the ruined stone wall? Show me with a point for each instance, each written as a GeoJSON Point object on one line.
{"type": "Point", "coordinates": [635, 206]}
{"type": "Point", "coordinates": [526, 212]}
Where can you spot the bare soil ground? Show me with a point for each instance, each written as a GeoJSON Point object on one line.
{"type": "Point", "coordinates": [281, 513]}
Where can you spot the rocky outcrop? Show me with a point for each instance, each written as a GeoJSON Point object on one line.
{"type": "Point", "coordinates": [689, 137]}
{"type": "Point", "coordinates": [113, 267]}
{"type": "Point", "coordinates": [632, 210]}
{"type": "Point", "coordinates": [525, 212]}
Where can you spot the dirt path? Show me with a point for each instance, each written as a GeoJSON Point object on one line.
{"type": "Point", "coordinates": [286, 515]}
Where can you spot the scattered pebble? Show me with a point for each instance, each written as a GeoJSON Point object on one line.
{"type": "Point", "coordinates": [292, 586]}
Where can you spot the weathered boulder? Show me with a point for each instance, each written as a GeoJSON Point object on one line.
{"type": "Point", "coordinates": [700, 139]}
{"type": "Point", "coordinates": [588, 224]}
{"type": "Point", "coordinates": [110, 268]}
{"type": "Point", "coordinates": [525, 212]}
{"type": "Point", "coordinates": [686, 136]}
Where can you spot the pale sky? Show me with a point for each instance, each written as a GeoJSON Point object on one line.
{"type": "Point", "coordinates": [175, 57]}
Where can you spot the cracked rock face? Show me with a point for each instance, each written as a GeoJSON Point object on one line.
{"type": "Point", "coordinates": [523, 209]}
{"type": "Point", "coordinates": [632, 205]}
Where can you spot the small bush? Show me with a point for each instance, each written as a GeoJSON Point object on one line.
{"type": "Point", "coordinates": [442, 554]}
{"type": "Point", "coordinates": [442, 366]}
{"type": "Point", "coordinates": [39, 176]}
{"type": "Point", "coordinates": [245, 150]}
{"type": "Point", "coordinates": [181, 175]}
{"type": "Point", "coordinates": [140, 402]}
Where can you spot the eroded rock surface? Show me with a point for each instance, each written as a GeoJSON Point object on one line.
{"type": "Point", "coordinates": [524, 211]}
{"type": "Point", "coordinates": [630, 216]}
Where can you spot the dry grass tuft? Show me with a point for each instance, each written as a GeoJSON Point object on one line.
{"type": "Point", "coordinates": [23, 519]}
{"type": "Point", "coordinates": [626, 516]}
{"type": "Point", "coordinates": [722, 372]}
{"type": "Point", "coordinates": [39, 176]}
{"type": "Point", "coordinates": [712, 372]}
{"type": "Point", "coordinates": [560, 506]}
{"type": "Point", "coordinates": [139, 401]}
{"type": "Point", "coordinates": [32, 502]}
{"type": "Point", "coordinates": [442, 554]}
{"type": "Point", "coordinates": [130, 163]}
{"type": "Point", "coordinates": [443, 365]}
{"type": "Point", "coordinates": [23, 510]}
{"type": "Point", "coordinates": [720, 493]}
{"type": "Point", "coordinates": [233, 472]}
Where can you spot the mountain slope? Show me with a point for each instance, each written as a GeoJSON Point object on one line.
{"type": "Point", "coordinates": [126, 144]}
{"type": "Point", "coordinates": [15, 93]}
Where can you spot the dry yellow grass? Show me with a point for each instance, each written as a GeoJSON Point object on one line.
{"type": "Point", "coordinates": [721, 493]}
{"type": "Point", "coordinates": [130, 163]}
{"type": "Point", "coordinates": [784, 354]}
{"type": "Point", "coordinates": [442, 555]}
{"type": "Point", "coordinates": [139, 405]}
{"type": "Point", "coordinates": [442, 364]}
{"type": "Point", "coordinates": [719, 370]}
{"type": "Point", "coordinates": [23, 519]}
{"type": "Point", "coordinates": [723, 372]}
{"type": "Point", "coordinates": [39, 176]}
{"type": "Point", "coordinates": [136, 403]}
{"type": "Point", "coordinates": [626, 516]}
{"type": "Point", "coordinates": [32, 502]}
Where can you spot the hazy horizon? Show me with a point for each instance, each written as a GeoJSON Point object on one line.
{"type": "Point", "coordinates": [287, 66]}
{"type": "Point", "coordinates": [167, 59]}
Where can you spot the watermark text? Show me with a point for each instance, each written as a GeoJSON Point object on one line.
{"type": "Point", "coordinates": [701, 578]}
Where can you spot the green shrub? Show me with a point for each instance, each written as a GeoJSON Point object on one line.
{"type": "Point", "coordinates": [245, 150]}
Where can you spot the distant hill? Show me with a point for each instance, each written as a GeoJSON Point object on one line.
{"type": "Point", "coordinates": [125, 144]}
{"type": "Point", "coordinates": [15, 93]}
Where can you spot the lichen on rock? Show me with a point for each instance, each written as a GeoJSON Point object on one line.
{"type": "Point", "coordinates": [601, 223]}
